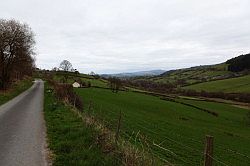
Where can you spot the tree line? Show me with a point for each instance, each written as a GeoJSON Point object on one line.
{"type": "Point", "coordinates": [239, 63]}
{"type": "Point", "coordinates": [174, 89]}
{"type": "Point", "coordinates": [151, 86]}
{"type": "Point", "coordinates": [115, 84]}
{"type": "Point", "coordinates": [16, 51]}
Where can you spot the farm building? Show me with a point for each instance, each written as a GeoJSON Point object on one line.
{"type": "Point", "coordinates": [76, 85]}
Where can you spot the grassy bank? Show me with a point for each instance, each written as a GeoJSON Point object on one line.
{"type": "Point", "coordinates": [177, 128]}
{"type": "Point", "coordinates": [71, 142]}
{"type": "Point", "coordinates": [15, 90]}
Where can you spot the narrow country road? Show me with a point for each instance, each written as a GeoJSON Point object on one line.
{"type": "Point", "coordinates": [22, 129]}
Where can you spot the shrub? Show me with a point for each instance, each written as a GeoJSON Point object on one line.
{"type": "Point", "coordinates": [65, 92]}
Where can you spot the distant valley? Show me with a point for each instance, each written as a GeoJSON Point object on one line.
{"type": "Point", "coordinates": [136, 74]}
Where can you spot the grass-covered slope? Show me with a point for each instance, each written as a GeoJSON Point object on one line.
{"type": "Point", "coordinates": [239, 85]}
{"type": "Point", "coordinates": [15, 90]}
{"type": "Point", "coordinates": [178, 129]}
{"type": "Point", "coordinates": [85, 78]}
{"type": "Point", "coordinates": [194, 74]}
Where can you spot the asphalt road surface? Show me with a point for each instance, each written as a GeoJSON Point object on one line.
{"type": "Point", "coordinates": [22, 129]}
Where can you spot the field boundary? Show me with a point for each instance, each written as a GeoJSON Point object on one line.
{"type": "Point", "coordinates": [193, 106]}
{"type": "Point", "coordinates": [111, 142]}
{"type": "Point", "coordinates": [169, 145]}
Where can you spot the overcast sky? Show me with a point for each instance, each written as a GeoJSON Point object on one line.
{"type": "Point", "coordinates": [112, 36]}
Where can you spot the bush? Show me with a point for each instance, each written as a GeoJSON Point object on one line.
{"type": "Point", "coordinates": [150, 86]}
{"type": "Point", "coordinates": [65, 92]}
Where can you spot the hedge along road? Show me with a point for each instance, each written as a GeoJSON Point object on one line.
{"type": "Point", "coordinates": [22, 129]}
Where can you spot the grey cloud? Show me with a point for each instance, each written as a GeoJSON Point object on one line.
{"type": "Point", "coordinates": [117, 35]}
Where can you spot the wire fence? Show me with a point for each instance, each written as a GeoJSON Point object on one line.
{"type": "Point", "coordinates": [166, 149]}
{"type": "Point", "coordinates": [192, 150]}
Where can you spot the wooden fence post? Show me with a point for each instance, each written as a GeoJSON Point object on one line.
{"type": "Point", "coordinates": [208, 154]}
{"type": "Point", "coordinates": [118, 127]}
{"type": "Point", "coordinates": [75, 101]}
{"type": "Point", "coordinates": [90, 107]}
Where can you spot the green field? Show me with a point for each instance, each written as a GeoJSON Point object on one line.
{"type": "Point", "coordinates": [179, 130]}
{"type": "Point", "coordinates": [85, 78]}
{"type": "Point", "coordinates": [240, 84]}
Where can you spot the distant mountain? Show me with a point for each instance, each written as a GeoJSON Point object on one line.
{"type": "Point", "coordinates": [136, 74]}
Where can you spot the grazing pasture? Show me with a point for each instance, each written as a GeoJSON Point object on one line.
{"type": "Point", "coordinates": [85, 78]}
{"type": "Point", "coordinates": [237, 85]}
{"type": "Point", "coordinates": [173, 131]}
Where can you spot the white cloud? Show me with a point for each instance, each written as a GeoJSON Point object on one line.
{"type": "Point", "coordinates": [127, 35]}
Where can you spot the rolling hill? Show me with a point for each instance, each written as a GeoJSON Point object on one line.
{"type": "Point", "coordinates": [136, 74]}
{"type": "Point", "coordinates": [195, 74]}
{"type": "Point", "coordinates": [209, 77]}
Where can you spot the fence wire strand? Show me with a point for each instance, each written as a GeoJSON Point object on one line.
{"type": "Point", "coordinates": [137, 138]}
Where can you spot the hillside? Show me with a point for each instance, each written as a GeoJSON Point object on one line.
{"type": "Point", "coordinates": [235, 67]}
{"type": "Point", "coordinates": [87, 79]}
{"type": "Point", "coordinates": [195, 74]}
{"type": "Point", "coordinates": [239, 63]}
{"type": "Point", "coordinates": [232, 85]}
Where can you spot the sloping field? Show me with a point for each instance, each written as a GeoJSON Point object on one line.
{"type": "Point", "coordinates": [240, 84]}
{"type": "Point", "coordinates": [194, 74]}
{"type": "Point", "coordinates": [15, 90]}
{"type": "Point", "coordinates": [174, 132]}
{"type": "Point", "coordinates": [93, 81]}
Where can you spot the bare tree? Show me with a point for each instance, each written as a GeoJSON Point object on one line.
{"type": "Point", "coordinates": [115, 84]}
{"type": "Point", "coordinates": [65, 65]}
{"type": "Point", "coordinates": [16, 51]}
{"type": "Point", "coordinates": [92, 73]}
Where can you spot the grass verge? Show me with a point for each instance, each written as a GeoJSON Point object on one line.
{"type": "Point", "coordinates": [15, 90]}
{"type": "Point", "coordinates": [69, 139]}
